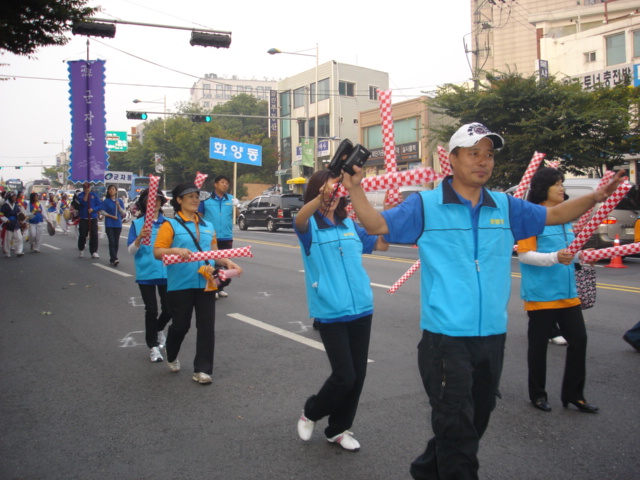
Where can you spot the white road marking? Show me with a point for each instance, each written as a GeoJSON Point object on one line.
{"type": "Point", "coordinates": [113, 270]}
{"type": "Point", "coordinates": [279, 331]}
{"type": "Point", "coordinates": [50, 246]}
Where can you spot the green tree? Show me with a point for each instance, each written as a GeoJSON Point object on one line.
{"type": "Point", "coordinates": [583, 130]}
{"type": "Point", "coordinates": [26, 25]}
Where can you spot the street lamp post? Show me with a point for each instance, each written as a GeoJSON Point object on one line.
{"type": "Point", "coordinates": [275, 51]}
{"type": "Point", "coordinates": [64, 161]}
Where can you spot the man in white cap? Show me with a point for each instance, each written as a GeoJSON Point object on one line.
{"type": "Point", "coordinates": [465, 235]}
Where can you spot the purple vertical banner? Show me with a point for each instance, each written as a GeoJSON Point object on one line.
{"type": "Point", "coordinates": [88, 122]}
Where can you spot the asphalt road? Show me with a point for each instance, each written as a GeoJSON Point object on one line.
{"type": "Point", "coordinates": [79, 398]}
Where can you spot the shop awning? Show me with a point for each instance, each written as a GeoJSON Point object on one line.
{"type": "Point", "coordinates": [297, 181]}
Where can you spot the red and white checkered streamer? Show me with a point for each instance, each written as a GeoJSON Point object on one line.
{"type": "Point", "coordinates": [351, 213]}
{"type": "Point", "coordinates": [592, 256]}
{"type": "Point", "coordinates": [386, 116]}
{"type": "Point", "coordinates": [405, 276]}
{"type": "Point", "coordinates": [528, 174]}
{"type": "Point", "coordinates": [585, 216]}
{"type": "Point", "coordinates": [210, 255]}
{"type": "Point", "coordinates": [583, 236]}
{"type": "Point", "coordinates": [151, 207]}
{"type": "Point", "coordinates": [200, 178]}
{"type": "Point", "coordinates": [443, 157]}
{"type": "Point", "coordinates": [552, 164]}
{"type": "Point", "coordinates": [404, 178]}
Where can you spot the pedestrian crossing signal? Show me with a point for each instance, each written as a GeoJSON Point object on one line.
{"type": "Point", "coordinates": [136, 115]}
{"type": "Point", "coordinates": [201, 118]}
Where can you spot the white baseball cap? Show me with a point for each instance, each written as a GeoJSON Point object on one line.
{"type": "Point", "coordinates": [470, 134]}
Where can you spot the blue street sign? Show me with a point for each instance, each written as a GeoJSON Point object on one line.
{"type": "Point", "coordinates": [232, 151]}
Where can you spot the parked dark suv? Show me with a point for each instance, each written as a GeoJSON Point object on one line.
{"type": "Point", "coordinates": [270, 211]}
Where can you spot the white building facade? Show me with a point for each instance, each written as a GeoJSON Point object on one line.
{"type": "Point", "coordinates": [320, 104]}
{"type": "Point", "coordinates": [212, 90]}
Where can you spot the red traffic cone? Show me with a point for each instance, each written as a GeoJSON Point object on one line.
{"type": "Point", "coordinates": [616, 262]}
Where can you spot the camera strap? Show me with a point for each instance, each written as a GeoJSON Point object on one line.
{"type": "Point", "coordinates": [195, 240]}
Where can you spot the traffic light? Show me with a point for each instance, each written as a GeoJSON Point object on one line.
{"type": "Point", "coordinates": [201, 118]}
{"type": "Point", "coordinates": [93, 29]}
{"type": "Point", "coordinates": [17, 168]}
{"type": "Point", "coordinates": [210, 40]}
{"type": "Point", "coordinates": [136, 115]}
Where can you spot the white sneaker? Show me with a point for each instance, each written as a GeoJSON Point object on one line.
{"type": "Point", "coordinates": [305, 427]}
{"type": "Point", "coordinates": [81, 254]}
{"type": "Point", "coordinates": [559, 340]}
{"type": "Point", "coordinates": [95, 255]}
{"type": "Point", "coordinates": [346, 441]}
{"type": "Point", "coordinates": [162, 340]}
{"type": "Point", "coordinates": [201, 377]}
{"type": "Point", "coordinates": [174, 366]}
{"type": "Point", "coordinates": [222, 294]}
{"type": "Point", "coordinates": [155, 355]}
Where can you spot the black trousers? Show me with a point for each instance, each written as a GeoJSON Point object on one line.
{"type": "Point", "coordinates": [224, 245]}
{"type": "Point", "coordinates": [461, 377]}
{"type": "Point", "coordinates": [83, 230]}
{"type": "Point", "coordinates": [183, 303]}
{"type": "Point", "coordinates": [113, 236]}
{"type": "Point", "coordinates": [152, 322]}
{"type": "Point", "coordinates": [347, 346]}
{"type": "Point", "coordinates": [572, 328]}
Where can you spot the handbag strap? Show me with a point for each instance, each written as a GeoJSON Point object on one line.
{"type": "Point", "coordinates": [195, 240]}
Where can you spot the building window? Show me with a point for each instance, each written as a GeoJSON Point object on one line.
{"type": "Point", "coordinates": [312, 93]}
{"type": "Point", "coordinates": [373, 93]}
{"type": "Point", "coordinates": [285, 103]}
{"type": "Point", "coordinates": [301, 124]}
{"type": "Point", "coordinates": [590, 57]}
{"type": "Point", "coordinates": [636, 43]}
{"type": "Point", "coordinates": [323, 126]}
{"type": "Point", "coordinates": [347, 89]}
{"type": "Point", "coordinates": [248, 90]}
{"type": "Point", "coordinates": [207, 104]}
{"type": "Point", "coordinates": [323, 89]}
{"type": "Point", "coordinates": [227, 91]}
{"type": "Point", "coordinates": [240, 89]}
{"type": "Point", "coordinates": [219, 91]}
{"type": "Point", "coordinates": [616, 52]}
{"type": "Point", "coordinates": [206, 90]}
{"type": "Point", "coordinates": [373, 136]}
{"type": "Point", "coordinates": [312, 127]}
{"type": "Point", "coordinates": [405, 130]}
{"type": "Point", "coordinates": [298, 97]}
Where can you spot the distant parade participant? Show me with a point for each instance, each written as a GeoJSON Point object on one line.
{"type": "Point", "coordinates": [2, 229]}
{"type": "Point", "coordinates": [52, 209]}
{"type": "Point", "coordinates": [11, 211]}
{"type": "Point", "coordinates": [64, 212]}
{"type": "Point", "coordinates": [151, 275]}
{"type": "Point", "coordinates": [88, 204]}
{"type": "Point", "coordinates": [37, 218]}
{"type": "Point", "coordinates": [218, 210]}
{"type": "Point", "coordinates": [113, 209]}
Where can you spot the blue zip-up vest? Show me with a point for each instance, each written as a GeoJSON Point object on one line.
{"type": "Point", "coordinates": [147, 267]}
{"type": "Point", "coordinates": [219, 213]}
{"type": "Point", "coordinates": [557, 282]}
{"type": "Point", "coordinates": [182, 276]}
{"type": "Point", "coordinates": [337, 283]}
{"type": "Point", "coordinates": [465, 286]}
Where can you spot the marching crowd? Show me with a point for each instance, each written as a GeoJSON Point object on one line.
{"type": "Point", "coordinates": [461, 350]}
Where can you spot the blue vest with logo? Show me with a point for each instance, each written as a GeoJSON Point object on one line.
{"type": "Point", "coordinates": [465, 283]}
{"type": "Point", "coordinates": [336, 282]}
{"type": "Point", "coordinates": [182, 276]}
{"type": "Point", "coordinates": [219, 213]}
{"type": "Point", "coordinates": [557, 282]}
{"type": "Point", "coordinates": [147, 267]}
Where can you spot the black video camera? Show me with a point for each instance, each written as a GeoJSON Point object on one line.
{"type": "Point", "coordinates": [355, 155]}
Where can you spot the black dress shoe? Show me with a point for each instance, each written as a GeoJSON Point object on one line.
{"type": "Point", "coordinates": [542, 404]}
{"type": "Point", "coordinates": [582, 405]}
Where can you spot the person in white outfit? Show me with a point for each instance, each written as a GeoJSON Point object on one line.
{"type": "Point", "coordinates": [37, 217]}
{"type": "Point", "coordinates": [11, 209]}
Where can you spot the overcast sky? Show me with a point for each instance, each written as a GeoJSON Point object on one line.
{"type": "Point", "coordinates": [420, 45]}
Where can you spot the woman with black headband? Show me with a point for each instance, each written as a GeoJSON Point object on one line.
{"type": "Point", "coordinates": [187, 288]}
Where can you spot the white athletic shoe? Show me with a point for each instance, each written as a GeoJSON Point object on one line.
{"type": "Point", "coordinates": [174, 366]}
{"type": "Point", "coordinates": [305, 427]}
{"type": "Point", "coordinates": [155, 355]}
{"type": "Point", "coordinates": [201, 378]}
{"type": "Point", "coordinates": [346, 441]}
